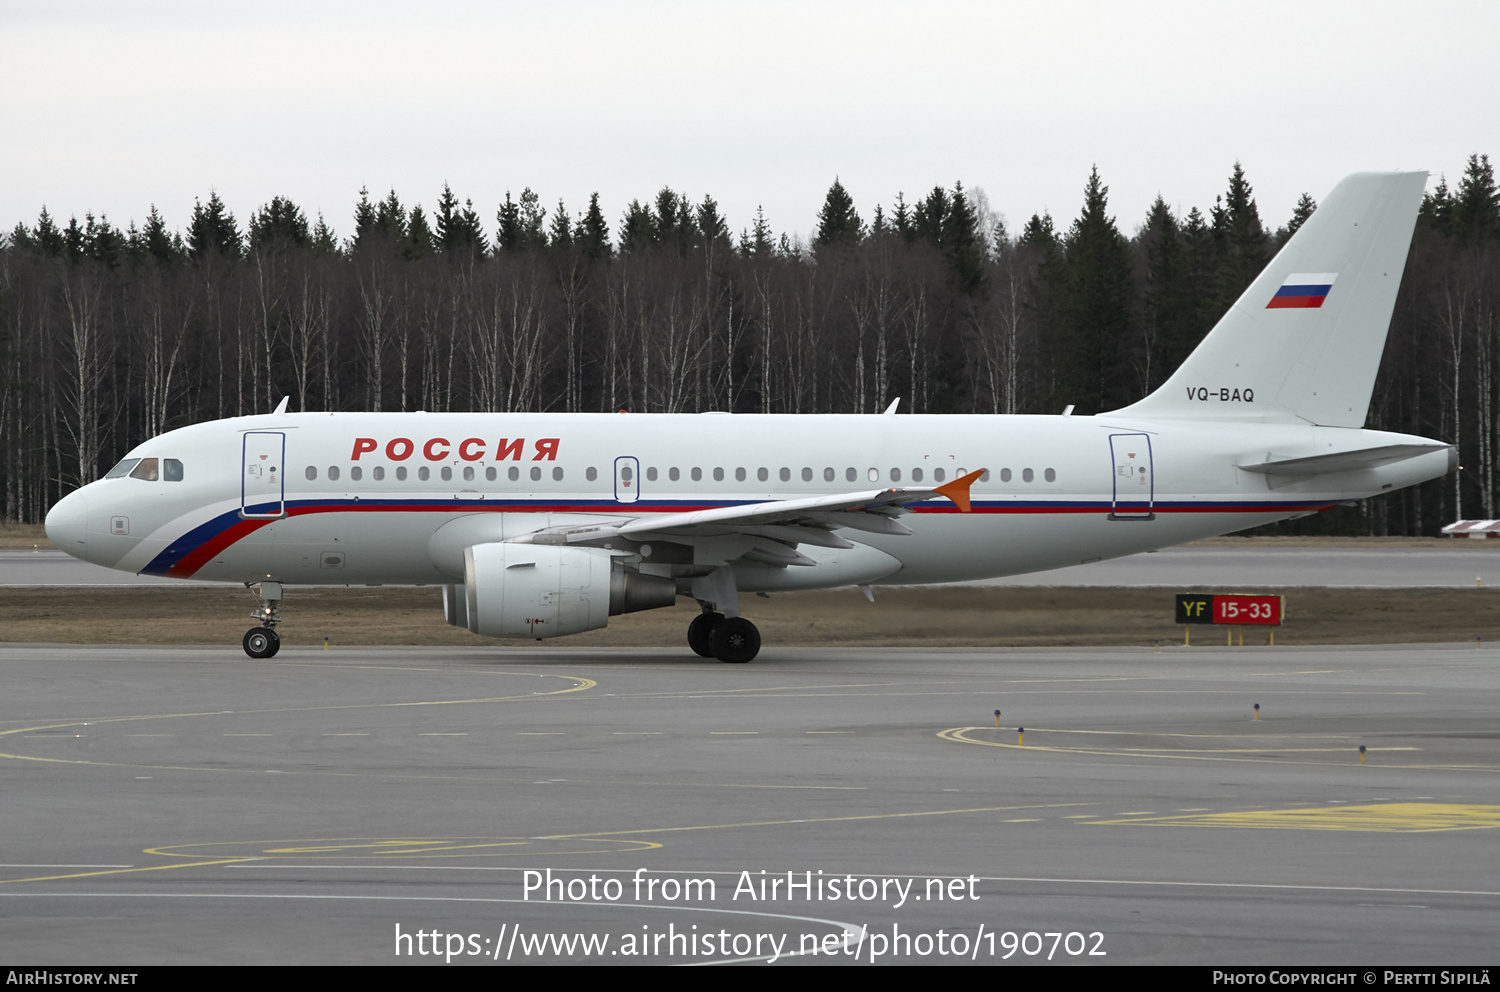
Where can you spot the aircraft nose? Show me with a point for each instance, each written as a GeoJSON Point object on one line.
{"type": "Point", "coordinates": [67, 524]}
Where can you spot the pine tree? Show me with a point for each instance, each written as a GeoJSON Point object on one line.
{"type": "Point", "coordinates": [75, 246]}
{"type": "Point", "coordinates": [930, 215]}
{"type": "Point", "coordinates": [760, 243]}
{"type": "Point", "coordinates": [213, 230]}
{"type": "Point", "coordinates": [675, 226]}
{"type": "Point", "coordinates": [508, 217]}
{"type": "Point", "coordinates": [1084, 302]}
{"type": "Point", "coordinates": [156, 240]}
{"type": "Point", "coordinates": [531, 219]}
{"type": "Point", "coordinates": [47, 237]}
{"type": "Point", "coordinates": [447, 220]}
{"type": "Point", "coordinates": [1170, 314]}
{"type": "Point", "coordinates": [1476, 203]}
{"type": "Point", "coordinates": [901, 219]}
{"type": "Point", "coordinates": [1040, 233]}
{"type": "Point", "coordinates": [960, 239]}
{"type": "Point", "coordinates": [364, 221]}
{"type": "Point", "coordinates": [470, 233]}
{"type": "Point", "coordinates": [390, 219]}
{"type": "Point", "coordinates": [279, 224]}
{"type": "Point", "coordinates": [560, 232]}
{"type": "Point", "coordinates": [637, 228]}
{"type": "Point", "coordinates": [20, 239]}
{"type": "Point", "coordinates": [839, 225]}
{"type": "Point", "coordinates": [1244, 248]}
{"type": "Point", "coordinates": [593, 232]}
{"type": "Point", "coordinates": [324, 244]}
{"type": "Point", "coordinates": [1437, 207]}
{"type": "Point", "coordinates": [102, 242]}
{"type": "Point", "coordinates": [712, 226]}
{"type": "Point", "coordinates": [420, 241]}
{"type": "Point", "coordinates": [1303, 210]}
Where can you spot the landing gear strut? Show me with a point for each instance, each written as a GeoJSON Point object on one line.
{"type": "Point", "coordinates": [263, 641]}
{"type": "Point", "coordinates": [719, 631]}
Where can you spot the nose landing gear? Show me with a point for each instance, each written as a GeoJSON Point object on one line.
{"type": "Point", "coordinates": [263, 641]}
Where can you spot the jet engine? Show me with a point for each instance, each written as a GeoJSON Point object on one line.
{"type": "Point", "coordinates": [539, 590]}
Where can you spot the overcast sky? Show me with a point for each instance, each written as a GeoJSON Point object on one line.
{"type": "Point", "coordinates": [111, 107]}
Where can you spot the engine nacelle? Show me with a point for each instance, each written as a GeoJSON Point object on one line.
{"type": "Point", "coordinates": [539, 590]}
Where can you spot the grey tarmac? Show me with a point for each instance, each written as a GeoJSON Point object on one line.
{"type": "Point", "coordinates": [183, 806]}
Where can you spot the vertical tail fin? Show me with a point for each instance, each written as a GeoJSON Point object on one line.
{"type": "Point", "coordinates": [1304, 341]}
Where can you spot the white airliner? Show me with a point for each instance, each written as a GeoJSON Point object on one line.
{"type": "Point", "coordinates": [539, 524]}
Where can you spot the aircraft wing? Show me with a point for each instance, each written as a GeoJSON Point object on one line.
{"type": "Point", "coordinates": [768, 531]}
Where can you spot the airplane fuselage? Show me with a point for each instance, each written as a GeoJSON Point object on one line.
{"type": "Point", "coordinates": [367, 498]}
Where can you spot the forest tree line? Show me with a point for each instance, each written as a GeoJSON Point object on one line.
{"type": "Point", "coordinates": [109, 336]}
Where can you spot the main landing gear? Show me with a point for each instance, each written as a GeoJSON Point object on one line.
{"type": "Point", "coordinates": [719, 631]}
{"type": "Point", "coordinates": [730, 639]}
{"type": "Point", "coordinates": [263, 641]}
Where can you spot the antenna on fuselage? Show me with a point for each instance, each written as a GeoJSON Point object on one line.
{"type": "Point", "coordinates": [281, 407]}
{"type": "Point", "coordinates": [890, 411]}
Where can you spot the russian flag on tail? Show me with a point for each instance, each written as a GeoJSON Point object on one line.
{"type": "Point", "coordinates": [1303, 291]}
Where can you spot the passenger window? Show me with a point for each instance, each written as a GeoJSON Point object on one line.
{"type": "Point", "coordinates": [171, 470]}
{"type": "Point", "coordinates": [850, 475]}
{"type": "Point", "coordinates": [311, 473]}
{"type": "Point", "coordinates": [828, 475]}
{"type": "Point", "coordinates": [146, 470]}
{"type": "Point", "coordinates": [650, 474]}
{"type": "Point", "coordinates": [626, 473]}
{"type": "Point", "coordinates": [378, 473]}
{"type": "Point", "coordinates": [874, 475]}
{"type": "Point", "coordinates": [697, 474]}
{"type": "Point", "coordinates": [1005, 475]}
{"type": "Point", "coordinates": [468, 473]}
{"type": "Point", "coordinates": [718, 475]}
{"type": "Point", "coordinates": [536, 473]}
{"type": "Point", "coordinates": [447, 474]}
{"type": "Point", "coordinates": [786, 475]}
{"type": "Point", "coordinates": [985, 477]}
{"type": "Point", "coordinates": [673, 474]}
{"type": "Point", "coordinates": [807, 475]}
{"type": "Point", "coordinates": [739, 475]}
{"type": "Point", "coordinates": [423, 474]}
{"type": "Point", "coordinates": [895, 475]}
{"type": "Point", "coordinates": [490, 474]}
{"type": "Point", "coordinates": [591, 473]}
{"type": "Point", "coordinates": [937, 475]}
{"type": "Point", "coordinates": [122, 469]}
{"type": "Point", "coordinates": [356, 473]}
{"type": "Point", "coordinates": [763, 475]}
{"type": "Point", "coordinates": [513, 474]}
{"type": "Point", "coordinates": [1050, 475]}
{"type": "Point", "coordinates": [557, 473]}
{"type": "Point", "coordinates": [400, 473]}
{"type": "Point", "coordinates": [333, 473]}
{"type": "Point", "coordinates": [1027, 475]}
{"type": "Point", "coordinates": [916, 475]}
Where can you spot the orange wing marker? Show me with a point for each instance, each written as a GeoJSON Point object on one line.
{"type": "Point", "coordinates": [958, 489]}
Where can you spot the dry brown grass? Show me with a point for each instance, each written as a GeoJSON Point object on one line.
{"type": "Point", "coordinates": [15, 536]}
{"type": "Point", "coordinates": [899, 617]}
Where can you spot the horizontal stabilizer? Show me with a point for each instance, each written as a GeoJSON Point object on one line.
{"type": "Point", "coordinates": [1344, 461]}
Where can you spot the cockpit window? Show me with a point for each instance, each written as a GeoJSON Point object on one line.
{"type": "Point", "coordinates": [121, 470]}
{"type": "Point", "coordinates": [171, 470]}
{"type": "Point", "coordinates": [147, 469]}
